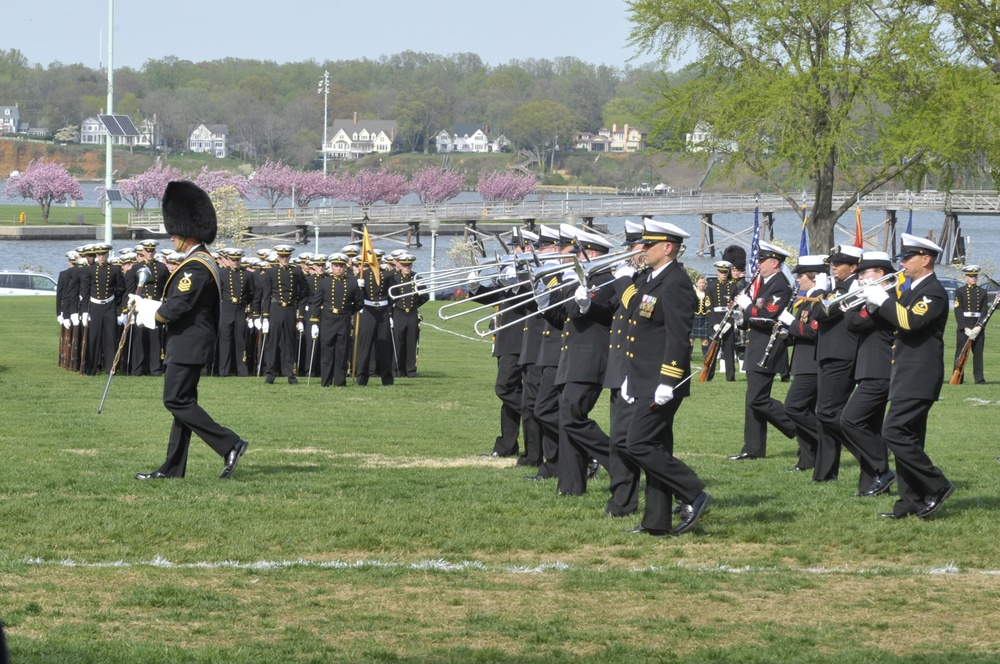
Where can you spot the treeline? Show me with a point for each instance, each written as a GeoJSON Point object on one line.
{"type": "Point", "coordinates": [274, 111]}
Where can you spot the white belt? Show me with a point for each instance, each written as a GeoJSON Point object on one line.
{"type": "Point", "coordinates": [96, 301]}
{"type": "Point", "coordinates": [378, 303]}
{"type": "Point", "coordinates": [720, 309]}
{"type": "Point", "coordinates": [970, 314]}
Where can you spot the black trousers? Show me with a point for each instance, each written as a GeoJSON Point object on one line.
{"type": "Point", "coordinates": [834, 387]}
{"type": "Point", "coordinates": [374, 345]}
{"type": "Point", "coordinates": [976, 351]}
{"type": "Point", "coordinates": [531, 376]}
{"type": "Point", "coordinates": [233, 332]}
{"type": "Point", "coordinates": [727, 352]}
{"type": "Point", "coordinates": [650, 444]}
{"type": "Point", "coordinates": [622, 468]}
{"type": "Point", "coordinates": [800, 407]}
{"type": "Point", "coordinates": [547, 416]}
{"type": "Point", "coordinates": [761, 410]}
{"type": "Point", "coordinates": [102, 338]}
{"type": "Point", "coordinates": [281, 340]}
{"type": "Point", "coordinates": [905, 431]}
{"type": "Point", "coordinates": [508, 388]}
{"type": "Point", "coordinates": [404, 332]}
{"type": "Point", "coordinates": [580, 437]}
{"type": "Point", "coordinates": [861, 422]}
{"type": "Point", "coordinates": [334, 347]}
{"type": "Point", "coordinates": [180, 397]}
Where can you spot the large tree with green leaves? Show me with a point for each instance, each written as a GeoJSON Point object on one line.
{"type": "Point", "coordinates": [839, 91]}
{"type": "Point", "coordinates": [542, 125]}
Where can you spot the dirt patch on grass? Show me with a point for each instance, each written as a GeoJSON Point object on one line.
{"type": "Point", "coordinates": [386, 461]}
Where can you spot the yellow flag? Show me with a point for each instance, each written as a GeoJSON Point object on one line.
{"type": "Point", "coordinates": [369, 258]}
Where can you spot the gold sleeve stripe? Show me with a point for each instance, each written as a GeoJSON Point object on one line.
{"type": "Point", "coordinates": [902, 316]}
{"type": "Point", "coordinates": [629, 294]}
{"type": "Point", "coordinates": [160, 319]}
{"type": "Point", "coordinates": [671, 372]}
{"type": "Point", "coordinates": [553, 282]}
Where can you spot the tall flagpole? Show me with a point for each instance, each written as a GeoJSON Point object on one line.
{"type": "Point", "coordinates": [110, 110]}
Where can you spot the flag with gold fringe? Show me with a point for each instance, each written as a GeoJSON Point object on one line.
{"type": "Point", "coordinates": [368, 256]}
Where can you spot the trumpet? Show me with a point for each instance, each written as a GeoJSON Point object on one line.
{"type": "Point", "coordinates": [856, 298]}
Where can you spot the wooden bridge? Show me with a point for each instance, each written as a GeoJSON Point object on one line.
{"type": "Point", "coordinates": [453, 218]}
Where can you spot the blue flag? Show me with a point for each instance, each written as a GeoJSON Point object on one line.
{"type": "Point", "coordinates": [804, 241]}
{"type": "Point", "coordinates": [755, 242]}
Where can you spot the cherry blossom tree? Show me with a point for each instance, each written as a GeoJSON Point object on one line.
{"type": "Point", "coordinates": [273, 182]}
{"type": "Point", "coordinates": [45, 183]}
{"type": "Point", "coordinates": [138, 190]}
{"type": "Point", "coordinates": [497, 186]}
{"type": "Point", "coordinates": [367, 187]}
{"type": "Point", "coordinates": [436, 185]}
{"type": "Point", "coordinates": [212, 180]}
{"type": "Point", "coordinates": [314, 185]}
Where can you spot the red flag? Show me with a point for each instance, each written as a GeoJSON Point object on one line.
{"type": "Point", "coordinates": [859, 236]}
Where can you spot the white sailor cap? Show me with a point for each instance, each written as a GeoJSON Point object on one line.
{"type": "Point", "coordinates": [587, 241]}
{"type": "Point", "coordinates": [972, 270]}
{"type": "Point", "coordinates": [846, 253]}
{"type": "Point", "coordinates": [339, 258]}
{"type": "Point", "coordinates": [876, 259]}
{"type": "Point", "coordinates": [722, 266]}
{"type": "Point", "coordinates": [73, 255]}
{"type": "Point", "coordinates": [911, 245]}
{"type": "Point", "coordinates": [633, 232]}
{"type": "Point", "coordinates": [811, 263]}
{"type": "Point", "coordinates": [529, 236]}
{"type": "Point", "coordinates": [768, 250]}
{"type": "Point", "coordinates": [283, 249]}
{"type": "Point", "coordinates": [547, 235]}
{"type": "Point", "coordinates": [662, 231]}
{"type": "Point", "coordinates": [396, 253]}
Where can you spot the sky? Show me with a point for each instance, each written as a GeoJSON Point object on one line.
{"type": "Point", "coordinates": [75, 31]}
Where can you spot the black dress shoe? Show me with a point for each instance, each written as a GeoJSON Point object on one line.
{"type": "Point", "coordinates": [794, 469]}
{"type": "Point", "coordinates": [692, 512]}
{"type": "Point", "coordinates": [269, 380]}
{"type": "Point", "coordinates": [292, 380]}
{"type": "Point", "coordinates": [652, 532]}
{"type": "Point", "coordinates": [233, 458]}
{"type": "Point", "coordinates": [880, 484]}
{"type": "Point", "coordinates": [155, 475]}
{"type": "Point", "coordinates": [489, 454]}
{"type": "Point", "coordinates": [933, 501]}
{"type": "Point", "coordinates": [593, 466]}
{"type": "Point", "coordinates": [525, 461]}
{"type": "Point", "coordinates": [893, 515]}
{"type": "Point", "coordinates": [742, 456]}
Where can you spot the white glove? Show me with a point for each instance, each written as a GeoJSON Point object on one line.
{"type": "Point", "coordinates": [786, 317]}
{"type": "Point", "coordinates": [663, 394]}
{"type": "Point", "coordinates": [361, 283]}
{"type": "Point", "coordinates": [822, 281]}
{"type": "Point", "coordinates": [855, 285]}
{"type": "Point", "coordinates": [743, 301]}
{"type": "Point", "coordinates": [85, 317]}
{"type": "Point", "coordinates": [542, 294]}
{"type": "Point", "coordinates": [122, 319]}
{"type": "Point", "coordinates": [265, 326]}
{"type": "Point", "coordinates": [875, 294]}
{"type": "Point", "coordinates": [59, 319]}
{"type": "Point", "coordinates": [624, 392]}
{"type": "Point", "coordinates": [624, 270]}
{"type": "Point", "coordinates": [974, 332]}
{"type": "Point", "coordinates": [250, 322]}
{"type": "Point", "coordinates": [145, 311]}
{"type": "Point", "coordinates": [314, 331]}
{"type": "Point", "coordinates": [569, 276]}
{"type": "Point", "coordinates": [257, 322]}
{"type": "Point", "coordinates": [66, 323]}
{"type": "Point", "coordinates": [74, 318]}
{"type": "Point", "coordinates": [299, 327]}
{"type": "Point", "coordinates": [508, 276]}
{"type": "Point", "coordinates": [582, 297]}
{"type": "Point", "coordinates": [392, 323]}
{"type": "Point", "coordinates": [968, 332]}
{"type": "Point", "coordinates": [738, 317]}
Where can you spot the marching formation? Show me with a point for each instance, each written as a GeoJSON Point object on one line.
{"type": "Point", "coordinates": [326, 316]}
{"type": "Point", "coordinates": [860, 340]}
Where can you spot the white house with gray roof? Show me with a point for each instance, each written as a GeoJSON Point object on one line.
{"type": "Point", "coordinates": [354, 137]}
{"type": "Point", "coordinates": [213, 139]}
{"type": "Point", "coordinates": [466, 137]}
{"type": "Point", "coordinates": [10, 119]}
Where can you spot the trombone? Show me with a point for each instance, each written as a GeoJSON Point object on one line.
{"type": "Point", "coordinates": [518, 298]}
{"type": "Point", "coordinates": [856, 298]}
{"type": "Point", "coordinates": [584, 273]}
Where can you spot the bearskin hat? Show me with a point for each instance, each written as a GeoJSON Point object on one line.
{"type": "Point", "coordinates": [188, 212]}
{"type": "Point", "coordinates": [736, 255]}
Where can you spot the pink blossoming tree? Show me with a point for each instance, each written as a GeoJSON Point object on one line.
{"type": "Point", "coordinates": [368, 187]}
{"type": "Point", "coordinates": [138, 190]}
{"type": "Point", "coordinates": [313, 185]}
{"type": "Point", "coordinates": [497, 186]}
{"type": "Point", "coordinates": [273, 182]}
{"type": "Point", "coordinates": [436, 185]}
{"type": "Point", "coordinates": [212, 180]}
{"type": "Point", "coordinates": [45, 183]}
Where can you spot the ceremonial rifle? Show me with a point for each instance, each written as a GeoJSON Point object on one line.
{"type": "Point", "coordinates": [142, 275]}
{"type": "Point", "coordinates": [956, 377]}
{"type": "Point", "coordinates": [716, 339]}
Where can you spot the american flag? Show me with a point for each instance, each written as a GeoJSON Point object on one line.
{"type": "Point", "coordinates": [754, 249]}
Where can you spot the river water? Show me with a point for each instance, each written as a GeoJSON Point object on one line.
{"type": "Point", "coordinates": [981, 233]}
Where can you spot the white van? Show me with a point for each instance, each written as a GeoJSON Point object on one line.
{"type": "Point", "coordinates": [26, 283]}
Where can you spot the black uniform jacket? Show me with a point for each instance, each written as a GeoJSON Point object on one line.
{"type": "Point", "coordinates": [759, 318]}
{"type": "Point", "coordinates": [660, 317]}
{"type": "Point", "coordinates": [836, 342]}
{"type": "Point", "coordinates": [919, 316]}
{"type": "Point", "coordinates": [803, 333]}
{"type": "Point", "coordinates": [874, 344]}
{"type": "Point", "coordinates": [971, 302]}
{"type": "Point", "coordinates": [190, 309]}
{"type": "Point", "coordinates": [583, 355]}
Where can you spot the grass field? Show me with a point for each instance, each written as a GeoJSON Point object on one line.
{"type": "Point", "coordinates": [362, 526]}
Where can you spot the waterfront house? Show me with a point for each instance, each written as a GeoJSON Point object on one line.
{"type": "Point", "coordinates": [355, 137]}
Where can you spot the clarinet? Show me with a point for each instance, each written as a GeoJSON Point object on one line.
{"type": "Point", "coordinates": [775, 332]}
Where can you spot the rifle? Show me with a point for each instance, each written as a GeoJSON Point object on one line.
{"type": "Point", "coordinates": [74, 348]}
{"type": "Point", "coordinates": [716, 338]}
{"type": "Point", "coordinates": [956, 376]}
{"type": "Point", "coordinates": [62, 346]}
{"type": "Point", "coordinates": [83, 346]}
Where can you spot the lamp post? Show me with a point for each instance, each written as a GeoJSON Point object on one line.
{"type": "Point", "coordinates": [435, 225]}
{"type": "Point", "coordinates": [324, 89]}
